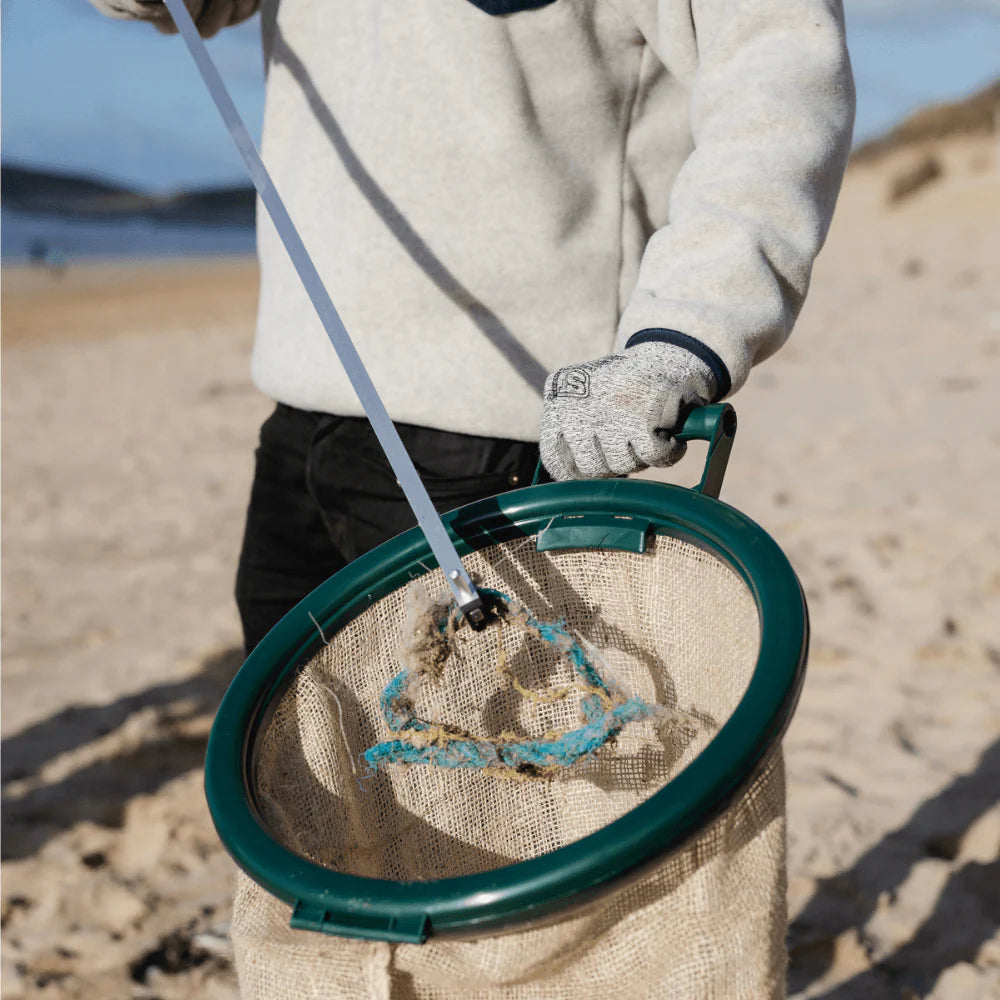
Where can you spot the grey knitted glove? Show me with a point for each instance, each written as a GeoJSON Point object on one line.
{"type": "Point", "coordinates": [615, 415]}
{"type": "Point", "coordinates": [210, 15]}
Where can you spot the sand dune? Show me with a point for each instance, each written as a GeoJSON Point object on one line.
{"type": "Point", "coordinates": [869, 447]}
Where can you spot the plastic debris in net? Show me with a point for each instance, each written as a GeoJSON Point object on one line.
{"type": "Point", "coordinates": [605, 709]}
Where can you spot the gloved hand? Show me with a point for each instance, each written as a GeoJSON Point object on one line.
{"type": "Point", "coordinates": [617, 415]}
{"type": "Point", "coordinates": [209, 15]}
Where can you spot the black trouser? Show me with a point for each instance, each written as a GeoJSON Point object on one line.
{"type": "Point", "coordinates": [324, 494]}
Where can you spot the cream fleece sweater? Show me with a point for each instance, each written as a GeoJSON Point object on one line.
{"type": "Point", "coordinates": [493, 189]}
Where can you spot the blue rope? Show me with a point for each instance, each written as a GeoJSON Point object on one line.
{"type": "Point", "coordinates": [605, 713]}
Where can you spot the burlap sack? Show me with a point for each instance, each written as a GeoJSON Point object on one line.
{"type": "Point", "coordinates": [676, 626]}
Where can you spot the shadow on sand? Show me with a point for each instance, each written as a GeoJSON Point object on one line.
{"type": "Point", "coordinates": [965, 915]}
{"type": "Point", "coordinates": [163, 731]}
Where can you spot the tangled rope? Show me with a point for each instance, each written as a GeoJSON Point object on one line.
{"type": "Point", "coordinates": [605, 710]}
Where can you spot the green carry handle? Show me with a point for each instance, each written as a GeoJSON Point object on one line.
{"type": "Point", "coordinates": [715, 424]}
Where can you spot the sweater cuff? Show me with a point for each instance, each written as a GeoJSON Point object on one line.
{"type": "Point", "coordinates": [715, 364]}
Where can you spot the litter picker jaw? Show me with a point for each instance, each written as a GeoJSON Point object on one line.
{"type": "Point", "coordinates": [470, 601]}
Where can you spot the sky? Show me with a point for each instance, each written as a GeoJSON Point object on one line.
{"type": "Point", "coordinates": [115, 100]}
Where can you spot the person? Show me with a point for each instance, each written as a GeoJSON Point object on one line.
{"type": "Point", "coordinates": [551, 226]}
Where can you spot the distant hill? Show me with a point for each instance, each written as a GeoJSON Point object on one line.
{"type": "Point", "coordinates": [979, 113]}
{"type": "Point", "coordinates": [70, 196]}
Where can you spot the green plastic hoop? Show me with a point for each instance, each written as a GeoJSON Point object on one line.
{"type": "Point", "coordinates": [532, 890]}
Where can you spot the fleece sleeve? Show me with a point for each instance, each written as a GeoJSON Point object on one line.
{"type": "Point", "coordinates": [210, 16]}
{"type": "Point", "coordinates": [772, 111]}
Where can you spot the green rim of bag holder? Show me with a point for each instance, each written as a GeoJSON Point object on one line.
{"type": "Point", "coordinates": [596, 514]}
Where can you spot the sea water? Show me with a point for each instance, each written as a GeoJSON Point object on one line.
{"type": "Point", "coordinates": [57, 240]}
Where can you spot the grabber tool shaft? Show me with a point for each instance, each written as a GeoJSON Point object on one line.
{"type": "Point", "coordinates": [469, 601]}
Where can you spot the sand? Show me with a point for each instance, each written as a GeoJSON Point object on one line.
{"type": "Point", "coordinates": [869, 447]}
